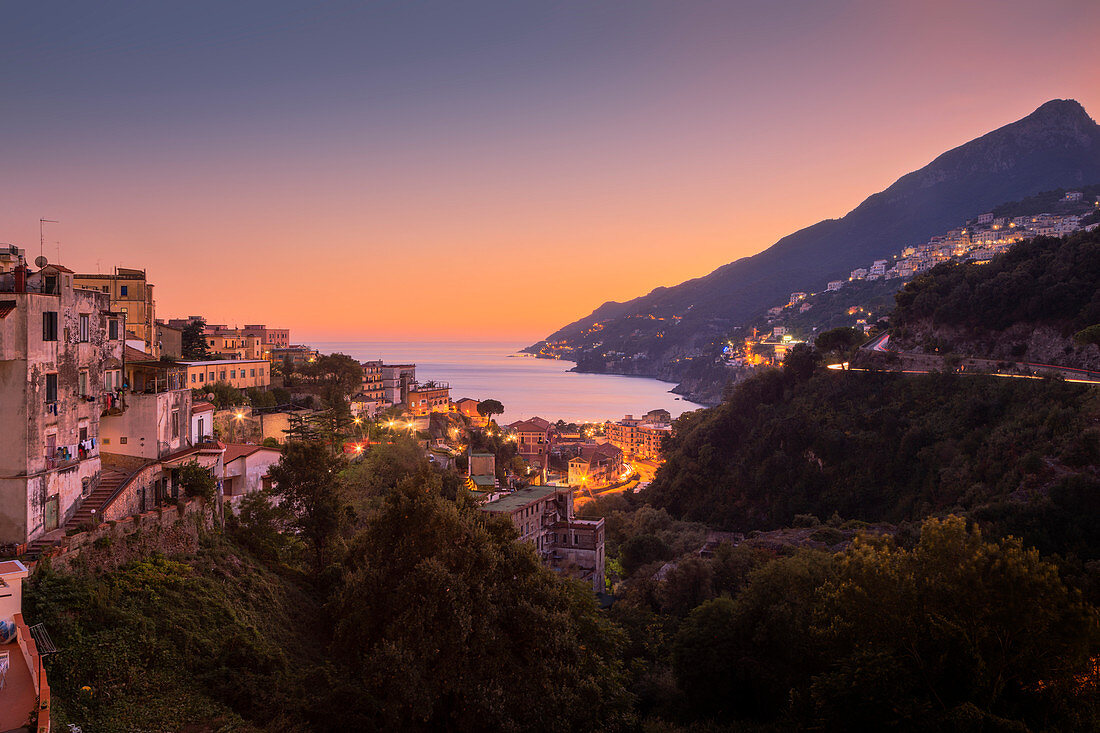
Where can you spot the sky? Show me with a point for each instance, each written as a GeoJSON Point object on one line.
{"type": "Point", "coordinates": [484, 170]}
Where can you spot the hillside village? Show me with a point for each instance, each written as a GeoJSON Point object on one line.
{"type": "Point", "coordinates": [866, 296]}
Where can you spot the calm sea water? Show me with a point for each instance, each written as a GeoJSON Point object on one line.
{"type": "Point", "coordinates": [525, 386]}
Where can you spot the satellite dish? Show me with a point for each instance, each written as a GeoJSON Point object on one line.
{"type": "Point", "coordinates": [40, 261]}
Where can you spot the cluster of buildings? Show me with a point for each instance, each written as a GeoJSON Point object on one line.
{"type": "Point", "coordinates": [978, 242]}
{"type": "Point", "coordinates": [98, 424]}
{"type": "Point", "coordinates": [543, 513]}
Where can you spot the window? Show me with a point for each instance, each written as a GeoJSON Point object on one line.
{"type": "Point", "coordinates": [49, 325]}
{"type": "Point", "coordinates": [51, 388]}
{"type": "Point", "coordinates": [84, 326]}
{"type": "Point", "coordinates": [175, 423]}
{"type": "Point", "coordinates": [232, 373]}
{"type": "Point", "coordinates": [193, 377]}
{"type": "Point", "coordinates": [83, 382]}
{"type": "Point", "coordinates": [112, 329]}
{"type": "Point", "coordinates": [221, 375]}
{"type": "Point", "coordinates": [123, 291]}
{"type": "Point", "coordinates": [253, 372]}
{"type": "Point", "coordinates": [202, 377]}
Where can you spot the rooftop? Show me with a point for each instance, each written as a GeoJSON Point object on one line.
{"type": "Point", "coordinates": [519, 499]}
{"type": "Point", "coordinates": [18, 696]}
{"type": "Point", "coordinates": [222, 361]}
{"type": "Point", "coordinates": [233, 451]}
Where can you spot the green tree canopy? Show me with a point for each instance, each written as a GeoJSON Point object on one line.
{"type": "Point", "coordinates": [305, 481]}
{"type": "Point", "coordinates": [955, 628]}
{"type": "Point", "coordinates": [840, 340]}
{"type": "Point", "coordinates": [193, 341]}
{"type": "Point", "coordinates": [447, 622]}
{"type": "Point", "coordinates": [488, 408]}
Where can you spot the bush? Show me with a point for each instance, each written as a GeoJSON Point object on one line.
{"type": "Point", "coordinates": [197, 481]}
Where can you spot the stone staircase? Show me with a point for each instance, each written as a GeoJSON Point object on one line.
{"type": "Point", "coordinates": [109, 481]}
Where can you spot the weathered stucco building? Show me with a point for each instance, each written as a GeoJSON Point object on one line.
{"type": "Point", "coordinates": [61, 350]}
{"type": "Point", "coordinates": [543, 515]}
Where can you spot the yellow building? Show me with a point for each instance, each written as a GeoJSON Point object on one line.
{"type": "Point", "coordinates": [130, 294]}
{"type": "Point", "coordinates": [239, 373]}
{"type": "Point", "coordinates": [233, 343]}
{"type": "Point", "coordinates": [429, 397]}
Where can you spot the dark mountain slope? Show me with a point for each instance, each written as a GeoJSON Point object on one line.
{"type": "Point", "coordinates": [1057, 145]}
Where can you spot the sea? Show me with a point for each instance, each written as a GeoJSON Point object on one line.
{"type": "Point", "coordinates": [526, 386]}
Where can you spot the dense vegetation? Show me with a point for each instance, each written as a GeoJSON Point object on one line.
{"type": "Point", "coordinates": [1042, 281]}
{"type": "Point", "coordinates": [886, 447]}
{"type": "Point", "coordinates": [364, 600]}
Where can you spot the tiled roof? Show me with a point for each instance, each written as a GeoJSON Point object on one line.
{"type": "Point", "coordinates": [233, 451]}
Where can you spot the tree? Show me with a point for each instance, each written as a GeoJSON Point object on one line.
{"type": "Point", "coordinates": [840, 340]}
{"type": "Point", "coordinates": [641, 550]}
{"type": "Point", "coordinates": [304, 479]}
{"type": "Point", "coordinates": [193, 340]}
{"type": "Point", "coordinates": [742, 658]}
{"type": "Point", "coordinates": [342, 374]}
{"type": "Point", "coordinates": [957, 626]}
{"type": "Point", "coordinates": [488, 408]}
{"type": "Point", "coordinates": [801, 361]}
{"type": "Point", "coordinates": [446, 622]}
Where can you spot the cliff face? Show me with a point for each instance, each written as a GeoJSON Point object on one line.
{"type": "Point", "coordinates": [1058, 145]}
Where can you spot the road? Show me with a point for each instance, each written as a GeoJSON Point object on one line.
{"type": "Point", "coordinates": [927, 363]}
{"type": "Point", "coordinates": [640, 472]}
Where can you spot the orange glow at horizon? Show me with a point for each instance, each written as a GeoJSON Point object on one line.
{"type": "Point", "coordinates": [500, 203]}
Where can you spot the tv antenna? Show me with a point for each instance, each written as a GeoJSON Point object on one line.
{"type": "Point", "coordinates": [42, 235]}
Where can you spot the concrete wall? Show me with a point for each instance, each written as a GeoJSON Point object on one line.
{"type": "Point", "coordinates": [245, 475]}
{"type": "Point", "coordinates": [147, 425]}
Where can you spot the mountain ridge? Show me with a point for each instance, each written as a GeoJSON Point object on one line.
{"type": "Point", "coordinates": [1057, 145]}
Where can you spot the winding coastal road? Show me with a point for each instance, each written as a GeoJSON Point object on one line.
{"type": "Point", "coordinates": [927, 363]}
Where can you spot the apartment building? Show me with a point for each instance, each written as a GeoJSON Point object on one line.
{"type": "Point", "coordinates": [543, 516]}
{"type": "Point", "coordinates": [641, 438]}
{"type": "Point", "coordinates": [152, 418]}
{"type": "Point", "coordinates": [169, 340]}
{"type": "Point", "coordinates": [373, 387]}
{"type": "Point", "coordinates": [423, 399]}
{"type": "Point", "coordinates": [271, 338]}
{"type": "Point", "coordinates": [131, 295]}
{"type": "Point", "coordinates": [297, 354]}
{"type": "Point", "coordinates": [396, 379]}
{"type": "Point", "coordinates": [61, 350]}
{"type": "Point", "coordinates": [534, 440]}
{"type": "Point", "coordinates": [239, 373]}
{"type": "Point", "coordinates": [232, 343]}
